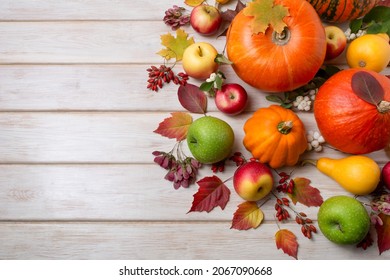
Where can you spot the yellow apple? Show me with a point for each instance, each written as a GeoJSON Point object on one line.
{"type": "Point", "coordinates": [198, 60]}
{"type": "Point", "coordinates": [253, 181]}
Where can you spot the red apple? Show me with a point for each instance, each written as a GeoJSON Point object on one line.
{"type": "Point", "coordinates": [253, 180]}
{"type": "Point", "coordinates": [336, 41]}
{"type": "Point", "coordinates": [231, 99]}
{"type": "Point", "coordinates": [198, 60]}
{"type": "Point", "coordinates": [205, 19]}
{"type": "Point", "coordinates": [386, 175]}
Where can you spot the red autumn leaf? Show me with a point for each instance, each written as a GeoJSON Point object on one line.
{"type": "Point", "coordinates": [287, 241]}
{"type": "Point", "coordinates": [383, 233]}
{"type": "Point", "coordinates": [212, 192]}
{"type": "Point", "coordinates": [192, 98]}
{"type": "Point", "coordinates": [175, 126]}
{"type": "Point", "coordinates": [305, 194]}
{"type": "Point", "coordinates": [248, 215]}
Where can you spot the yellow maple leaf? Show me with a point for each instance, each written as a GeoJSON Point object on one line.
{"type": "Point", "coordinates": [193, 3]}
{"type": "Point", "coordinates": [264, 14]}
{"type": "Point", "coordinates": [175, 46]}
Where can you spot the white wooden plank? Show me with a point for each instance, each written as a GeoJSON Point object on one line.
{"type": "Point", "coordinates": [98, 87]}
{"type": "Point", "coordinates": [96, 137]}
{"type": "Point", "coordinates": [81, 10]}
{"type": "Point", "coordinates": [85, 42]}
{"type": "Point", "coordinates": [121, 193]}
{"type": "Point", "coordinates": [89, 9]}
{"type": "Point", "coordinates": [209, 240]}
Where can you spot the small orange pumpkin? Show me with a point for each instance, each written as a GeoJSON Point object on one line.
{"type": "Point", "coordinates": [275, 135]}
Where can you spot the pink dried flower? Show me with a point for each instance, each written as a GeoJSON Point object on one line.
{"type": "Point", "coordinates": [384, 208]}
{"type": "Point", "coordinates": [176, 17]}
{"type": "Point", "coordinates": [375, 219]}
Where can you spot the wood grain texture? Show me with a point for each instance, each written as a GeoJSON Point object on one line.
{"type": "Point", "coordinates": [77, 178]}
{"type": "Point", "coordinates": [144, 240]}
{"type": "Point", "coordinates": [118, 192]}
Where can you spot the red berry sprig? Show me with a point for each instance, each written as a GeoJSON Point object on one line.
{"type": "Point", "coordinates": [281, 212]}
{"type": "Point", "coordinates": [285, 184]}
{"type": "Point", "coordinates": [238, 159]}
{"type": "Point", "coordinates": [158, 76]}
{"type": "Point", "coordinates": [307, 226]}
{"type": "Point", "coordinates": [218, 166]}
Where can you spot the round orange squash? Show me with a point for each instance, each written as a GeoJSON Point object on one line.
{"type": "Point", "coordinates": [275, 62]}
{"type": "Point", "coordinates": [346, 121]}
{"type": "Point", "coordinates": [275, 135]}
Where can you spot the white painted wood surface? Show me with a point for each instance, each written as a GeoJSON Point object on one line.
{"type": "Point", "coordinates": [77, 178]}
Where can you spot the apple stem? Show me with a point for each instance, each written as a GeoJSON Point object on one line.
{"type": "Point", "coordinates": [200, 51]}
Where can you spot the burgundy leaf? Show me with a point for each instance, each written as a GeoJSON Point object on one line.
{"type": "Point", "coordinates": [383, 233]}
{"type": "Point", "coordinates": [229, 14]}
{"type": "Point", "coordinates": [212, 192]}
{"type": "Point", "coordinates": [367, 87]}
{"type": "Point", "coordinates": [304, 193]}
{"type": "Point", "coordinates": [192, 98]}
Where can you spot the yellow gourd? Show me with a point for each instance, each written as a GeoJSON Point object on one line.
{"type": "Point", "coordinates": [357, 174]}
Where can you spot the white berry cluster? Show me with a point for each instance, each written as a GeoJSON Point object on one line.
{"type": "Point", "coordinates": [351, 36]}
{"type": "Point", "coordinates": [314, 141]}
{"type": "Point", "coordinates": [213, 78]}
{"type": "Point", "coordinates": [303, 103]}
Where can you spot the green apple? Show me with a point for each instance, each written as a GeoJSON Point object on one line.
{"type": "Point", "coordinates": [343, 220]}
{"type": "Point", "coordinates": [210, 139]}
{"type": "Point", "coordinates": [253, 181]}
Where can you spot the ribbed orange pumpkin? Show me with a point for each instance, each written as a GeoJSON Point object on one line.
{"type": "Point", "coordinates": [275, 135]}
{"type": "Point", "coordinates": [342, 10]}
{"type": "Point", "coordinates": [278, 62]}
{"type": "Point", "coordinates": [346, 121]}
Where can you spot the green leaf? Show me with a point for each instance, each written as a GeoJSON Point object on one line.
{"type": "Point", "coordinates": [377, 14]}
{"type": "Point", "coordinates": [222, 59]}
{"type": "Point", "coordinates": [218, 82]}
{"type": "Point", "coordinates": [274, 98]}
{"type": "Point", "coordinates": [355, 25]}
{"type": "Point", "coordinates": [376, 28]}
{"type": "Point", "coordinates": [206, 86]}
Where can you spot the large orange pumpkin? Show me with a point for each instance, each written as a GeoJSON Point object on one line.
{"type": "Point", "coordinates": [278, 62]}
{"type": "Point", "coordinates": [342, 10]}
{"type": "Point", "coordinates": [275, 135]}
{"type": "Point", "coordinates": [346, 121]}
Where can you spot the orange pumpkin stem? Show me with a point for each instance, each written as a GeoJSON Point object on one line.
{"type": "Point", "coordinates": [285, 127]}
{"type": "Point", "coordinates": [384, 106]}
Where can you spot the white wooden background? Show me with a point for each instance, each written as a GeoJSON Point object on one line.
{"type": "Point", "coordinates": [77, 178]}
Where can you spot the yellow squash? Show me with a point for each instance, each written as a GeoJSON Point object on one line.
{"type": "Point", "coordinates": [358, 174]}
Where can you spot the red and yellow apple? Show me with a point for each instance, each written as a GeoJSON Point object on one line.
{"type": "Point", "coordinates": [253, 180]}
{"type": "Point", "coordinates": [231, 99]}
{"type": "Point", "coordinates": [198, 60]}
{"type": "Point", "coordinates": [205, 19]}
{"type": "Point", "coordinates": [336, 41]}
